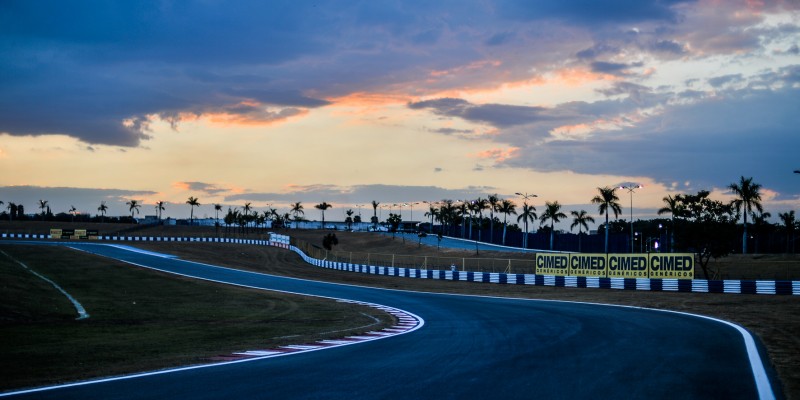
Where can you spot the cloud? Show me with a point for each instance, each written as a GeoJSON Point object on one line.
{"type": "Point", "coordinates": [206, 188]}
{"type": "Point", "coordinates": [669, 46]}
{"type": "Point", "coordinates": [710, 141]}
{"type": "Point", "coordinates": [591, 12]}
{"type": "Point", "coordinates": [612, 68]}
{"type": "Point", "coordinates": [499, 39]}
{"type": "Point", "coordinates": [498, 115]}
{"type": "Point", "coordinates": [635, 91]}
{"type": "Point", "coordinates": [720, 81]}
{"type": "Point", "coordinates": [363, 194]}
{"type": "Point", "coordinates": [84, 70]}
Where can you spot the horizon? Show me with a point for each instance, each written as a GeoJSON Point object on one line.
{"type": "Point", "coordinates": [397, 102]}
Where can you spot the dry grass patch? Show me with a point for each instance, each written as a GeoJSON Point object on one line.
{"type": "Point", "coordinates": [143, 320]}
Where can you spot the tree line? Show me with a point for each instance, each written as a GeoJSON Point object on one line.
{"type": "Point", "coordinates": [696, 222]}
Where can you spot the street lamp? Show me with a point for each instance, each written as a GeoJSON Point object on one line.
{"type": "Point", "coordinates": [631, 189]}
{"type": "Point", "coordinates": [525, 198]}
{"type": "Point", "coordinates": [411, 215]}
{"type": "Point", "coordinates": [430, 204]}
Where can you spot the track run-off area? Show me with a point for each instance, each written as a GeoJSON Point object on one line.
{"type": "Point", "coordinates": [463, 347]}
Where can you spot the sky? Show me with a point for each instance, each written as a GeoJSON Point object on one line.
{"type": "Point", "coordinates": [400, 102]}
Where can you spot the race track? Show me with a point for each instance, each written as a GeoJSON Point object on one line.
{"type": "Point", "coordinates": [470, 347]}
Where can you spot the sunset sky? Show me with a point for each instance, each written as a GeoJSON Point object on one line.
{"type": "Point", "coordinates": [274, 102]}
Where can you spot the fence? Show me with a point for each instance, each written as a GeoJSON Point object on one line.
{"type": "Point", "coordinates": [504, 265]}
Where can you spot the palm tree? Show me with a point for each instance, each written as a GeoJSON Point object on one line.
{"type": "Point", "coordinates": [192, 202]}
{"type": "Point", "coordinates": [103, 208]}
{"type": "Point", "coordinates": [580, 219]}
{"type": "Point", "coordinates": [747, 198]}
{"type": "Point", "coordinates": [447, 214]}
{"type": "Point", "coordinates": [159, 208]}
{"type": "Point", "coordinates": [247, 207]}
{"type": "Point", "coordinates": [217, 209]}
{"type": "Point", "coordinates": [297, 209]}
{"type": "Point", "coordinates": [375, 205]}
{"type": "Point", "coordinates": [494, 201]}
{"type": "Point", "coordinates": [246, 216]}
{"type": "Point", "coordinates": [12, 209]}
{"type": "Point", "coordinates": [553, 213]}
{"type": "Point", "coordinates": [607, 199]}
{"type": "Point", "coordinates": [673, 207]}
{"type": "Point", "coordinates": [506, 207]}
{"type": "Point", "coordinates": [462, 211]}
{"type": "Point", "coordinates": [479, 205]}
{"type": "Point", "coordinates": [322, 207]}
{"type": "Point", "coordinates": [349, 219]}
{"type": "Point", "coordinates": [528, 214]}
{"type": "Point", "coordinates": [42, 206]}
{"type": "Point", "coordinates": [433, 212]}
{"type": "Point", "coordinates": [789, 224]}
{"type": "Point", "coordinates": [230, 218]}
{"type": "Point", "coordinates": [133, 205]}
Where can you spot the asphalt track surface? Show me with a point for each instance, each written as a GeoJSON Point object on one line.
{"type": "Point", "coordinates": [469, 348]}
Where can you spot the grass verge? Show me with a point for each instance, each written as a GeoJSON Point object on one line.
{"type": "Point", "coordinates": [142, 320]}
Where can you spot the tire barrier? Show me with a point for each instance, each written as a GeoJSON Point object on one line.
{"type": "Point", "coordinates": [768, 287]}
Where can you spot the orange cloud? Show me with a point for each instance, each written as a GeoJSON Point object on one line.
{"type": "Point", "coordinates": [578, 77]}
{"type": "Point", "coordinates": [257, 116]}
{"type": "Point", "coordinates": [499, 155]}
{"type": "Point", "coordinates": [183, 186]}
{"type": "Point", "coordinates": [369, 100]}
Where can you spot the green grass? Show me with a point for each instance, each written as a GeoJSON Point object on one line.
{"type": "Point", "coordinates": [142, 320]}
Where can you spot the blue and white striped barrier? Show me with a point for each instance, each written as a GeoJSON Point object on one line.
{"type": "Point", "coordinates": [656, 285]}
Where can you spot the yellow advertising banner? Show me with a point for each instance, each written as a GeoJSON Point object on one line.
{"type": "Point", "coordinates": [671, 266]}
{"type": "Point", "coordinates": [588, 265]}
{"type": "Point", "coordinates": [627, 266]}
{"type": "Point", "coordinates": [552, 264]}
{"type": "Point", "coordinates": [55, 233]}
{"type": "Point", "coordinates": [647, 265]}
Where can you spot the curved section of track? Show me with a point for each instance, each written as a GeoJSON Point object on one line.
{"type": "Point", "coordinates": [470, 347]}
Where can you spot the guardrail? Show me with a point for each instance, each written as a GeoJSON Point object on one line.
{"type": "Point", "coordinates": [775, 287]}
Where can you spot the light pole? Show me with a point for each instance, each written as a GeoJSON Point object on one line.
{"type": "Point", "coordinates": [525, 198]}
{"type": "Point", "coordinates": [631, 189]}
{"type": "Point", "coordinates": [411, 215]}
